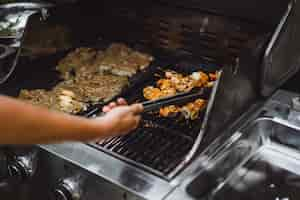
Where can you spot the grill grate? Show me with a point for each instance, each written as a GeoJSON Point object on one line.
{"type": "Point", "coordinates": [152, 145]}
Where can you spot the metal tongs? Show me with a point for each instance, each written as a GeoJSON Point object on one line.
{"type": "Point", "coordinates": [177, 99]}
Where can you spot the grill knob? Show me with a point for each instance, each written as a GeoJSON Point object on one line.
{"type": "Point", "coordinates": [68, 189]}
{"type": "Point", "coordinates": [18, 168]}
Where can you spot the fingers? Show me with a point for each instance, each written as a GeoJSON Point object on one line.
{"type": "Point", "coordinates": [122, 102]}
{"type": "Point", "coordinates": [136, 108]}
{"type": "Point", "coordinates": [112, 105]}
{"type": "Point", "coordinates": [106, 109]}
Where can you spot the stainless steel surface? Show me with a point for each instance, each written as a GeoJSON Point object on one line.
{"type": "Point", "coordinates": [70, 188]}
{"type": "Point", "coordinates": [281, 60]}
{"type": "Point", "coordinates": [237, 145]}
{"type": "Point", "coordinates": [26, 5]}
{"type": "Point", "coordinates": [17, 14]}
{"type": "Point", "coordinates": [115, 171]}
{"type": "Point", "coordinates": [254, 136]}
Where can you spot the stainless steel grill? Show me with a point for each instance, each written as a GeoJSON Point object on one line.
{"type": "Point", "coordinates": [160, 145]}
{"type": "Point", "coordinates": [163, 157]}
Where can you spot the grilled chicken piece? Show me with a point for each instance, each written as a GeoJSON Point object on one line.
{"type": "Point", "coordinates": [152, 93]}
{"type": "Point", "coordinates": [89, 78]}
{"type": "Point", "coordinates": [121, 60]}
{"type": "Point", "coordinates": [75, 60]}
{"type": "Point", "coordinates": [174, 83]}
{"type": "Point", "coordinates": [95, 88]}
{"type": "Point", "coordinates": [37, 97]}
{"type": "Point", "coordinates": [192, 110]}
{"type": "Point", "coordinates": [59, 100]}
{"type": "Point", "coordinates": [169, 111]}
{"type": "Point", "coordinates": [200, 79]}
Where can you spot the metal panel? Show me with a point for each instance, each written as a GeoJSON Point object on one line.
{"type": "Point", "coordinates": [282, 59]}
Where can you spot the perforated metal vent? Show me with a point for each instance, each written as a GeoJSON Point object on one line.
{"type": "Point", "coordinates": [213, 39]}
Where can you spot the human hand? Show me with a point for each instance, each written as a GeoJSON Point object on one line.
{"type": "Point", "coordinates": [121, 118]}
{"type": "Point", "coordinates": [112, 105]}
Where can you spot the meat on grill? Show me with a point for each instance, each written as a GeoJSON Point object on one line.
{"type": "Point", "coordinates": [175, 82]}
{"type": "Point", "coordinates": [121, 60]}
{"type": "Point", "coordinates": [117, 59]}
{"type": "Point", "coordinates": [86, 82]}
{"type": "Point", "coordinates": [75, 60]}
{"type": "Point", "coordinates": [57, 99]}
{"type": "Point", "coordinates": [95, 88]}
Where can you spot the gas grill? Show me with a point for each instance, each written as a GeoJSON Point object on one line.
{"type": "Point", "coordinates": [255, 50]}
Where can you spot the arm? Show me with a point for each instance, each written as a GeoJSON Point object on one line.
{"type": "Point", "coordinates": [21, 123]}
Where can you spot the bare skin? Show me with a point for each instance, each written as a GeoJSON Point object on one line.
{"type": "Point", "coordinates": [21, 123]}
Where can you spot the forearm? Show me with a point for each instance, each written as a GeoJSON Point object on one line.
{"type": "Point", "coordinates": [22, 123]}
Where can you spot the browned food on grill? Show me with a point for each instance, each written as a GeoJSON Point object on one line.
{"type": "Point", "coordinates": [121, 60]}
{"type": "Point", "coordinates": [169, 111]}
{"type": "Point", "coordinates": [37, 97]}
{"type": "Point", "coordinates": [73, 96]}
{"type": "Point", "coordinates": [95, 88]}
{"type": "Point", "coordinates": [193, 109]}
{"type": "Point", "coordinates": [59, 100]}
{"type": "Point", "coordinates": [117, 59]}
{"type": "Point", "coordinates": [74, 61]}
{"type": "Point", "coordinates": [152, 93]}
{"type": "Point", "coordinates": [174, 83]}
{"type": "Point", "coordinates": [90, 76]}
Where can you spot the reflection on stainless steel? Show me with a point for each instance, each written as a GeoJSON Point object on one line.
{"type": "Point", "coordinates": [268, 147]}
{"type": "Point", "coordinates": [70, 188]}
{"type": "Point", "coordinates": [12, 28]}
{"type": "Point", "coordinates": [17, 168]}
{"type": "Point", "coordinates": [202, 131]}
{"type": "Point", "coordinates": [115, 171]}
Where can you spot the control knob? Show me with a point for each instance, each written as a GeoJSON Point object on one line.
{"type": "Point", "coordinates": [69, 189]}
{"type": "Point", "coordinates": [16, 168]}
